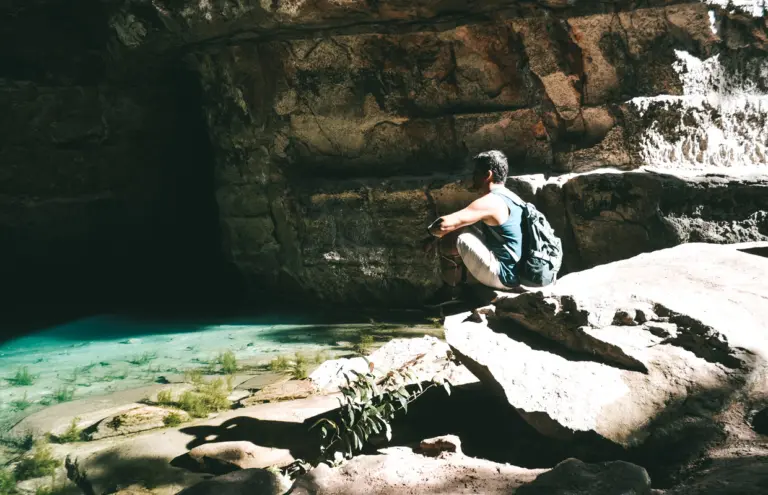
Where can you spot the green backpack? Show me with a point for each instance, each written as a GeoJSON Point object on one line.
{"type": "Point", "coordinates": [542, 249]}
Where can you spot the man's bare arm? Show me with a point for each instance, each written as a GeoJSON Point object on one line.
{"type": "Point", "coordinates": [480, 209]}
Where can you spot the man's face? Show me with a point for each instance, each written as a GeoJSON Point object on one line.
{"type": "Point", "coordinates": [479, 178]}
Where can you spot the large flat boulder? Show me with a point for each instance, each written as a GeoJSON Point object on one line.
{"type": "Point", "coordinates": [400, 471]}
{"type": "Point", "coordinates": [637, 350]}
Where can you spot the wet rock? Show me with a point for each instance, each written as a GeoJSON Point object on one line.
{"type": "Point", "coordinates": [243, 482]}
{"type": "Point", "coordinates": [399, 471]}
{"type": "Point", "coordinates": [132, 421]}
{"type": "Point", "coordinates": [573, 477]}
{"type": "Point", "coordinates": [626, 383]}
{"type": "Point", "coordinates": [224, 457]}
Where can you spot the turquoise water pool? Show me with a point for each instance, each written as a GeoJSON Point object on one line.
{"type": "Point", "coordinates": [107, 354]}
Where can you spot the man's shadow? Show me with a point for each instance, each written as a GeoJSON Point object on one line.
{"type": "Point", "coordinates": [300, 441]}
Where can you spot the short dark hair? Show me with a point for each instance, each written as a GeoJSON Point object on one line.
{"type": "Point", "coordinates": [494, 161]}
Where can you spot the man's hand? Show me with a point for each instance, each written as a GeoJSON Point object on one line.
{"type": "Point", "coordinates": [434, 227]}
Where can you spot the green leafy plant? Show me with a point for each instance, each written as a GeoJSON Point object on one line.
{"type": "Point", "coordinates": [280, 363]}
{"type": "Point", "coordinates": [143, 359]}
{"type": "Point", "coordinates": [40, 463]}
{"type": "Point", "coordinates": [22, 378]}
{"type": "Point", "coordinates": [173, 419]}
{"type": "Point", "coordinates": [228, 362]}
{"type": "Point", "coordinates": [364, 344]}
{"type": "Point", "coordinates": [71, 434]}
{"type": "Point", "coordinates": [7, 482]}
{"type": "Point", "coordinates": [368, 406]}
{"type": "Point", "coordinates": [299, 367]}
{"type": "Point", "coordinates": [21, 404]}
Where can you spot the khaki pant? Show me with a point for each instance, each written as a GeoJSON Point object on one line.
{"type": "Point", "coordinates": [468, 248]}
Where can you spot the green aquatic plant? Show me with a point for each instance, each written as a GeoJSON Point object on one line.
{"type": "Point", "coordinates": [64, 394]}
{"type": "Point", "coordinates": [73, 378]}
{"type": "Point", "coordinates": [7, 482]}
{"type": "Point", "coordinates": [143, 359]}
{"type": "Point", "coordinates": [22, 378]}
{"type": "Point", "coordinates": [87, 368]}
{"type": "Point", "coordinates": [71, 434]}
{"type": "Point", "coordinates": [110, 377]}
{"type": "Point", "coordinates": [364, 344]}
{"type": "Point", "coordinates": [299, 367]}
{"type": "Point", "coordinates": [193, 376]}
{"type": "Point", "coordinates": [207, 397]}
{"type": "Point", "coordinates": [320, 357]}
{"type": "Point", "coordinates": [40, 463]}
{"type": "Point", "coordinates": [278, 364]}
{"type": "Point", "coordinates": [165, 397]}
{"type": "Point", "coordinates": [228, 362]}
{"type": "Point", "coordinates": [173, 419]}
{"type": "Point", "coordinates": [21, 404]}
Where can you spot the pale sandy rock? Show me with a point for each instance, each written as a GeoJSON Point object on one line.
{"type": "Point", "coordinates": [426, 358]}
{"type": "Point", "coordinates": [590, 375]}
{"type": "Point", "coordinates": [133, 421]}
{"type": "Point", "coordinates": [223, 457]}
{"type": "Point", "coordinates": [281, 391]}
{"type": "Point", "coordinates": [399, 471]}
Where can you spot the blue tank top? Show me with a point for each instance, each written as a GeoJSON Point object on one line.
{"type": "Point", "coordinates": [511, 232]}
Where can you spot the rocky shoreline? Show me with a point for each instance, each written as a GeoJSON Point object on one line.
{"type": "Point", "coordinates": [643, 376]}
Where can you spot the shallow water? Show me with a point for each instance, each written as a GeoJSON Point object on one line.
{"type": "Point", "coordinates": [102, 355]}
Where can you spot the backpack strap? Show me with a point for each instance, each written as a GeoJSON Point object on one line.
{"type": "Point", "coordinates": [512, 196]}
{"type": "Point", "coordinates": [498, 237]}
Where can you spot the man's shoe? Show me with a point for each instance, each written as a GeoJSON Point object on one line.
{"type": "Point", "coordinates": [444, 296]}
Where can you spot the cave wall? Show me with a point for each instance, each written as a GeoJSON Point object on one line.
{"type": "Point", "coordinates": [149, 146]}
{"type": "Point", "coordinates": [335, 147]}
{"type": "Point", "coordinates": [105, 189]}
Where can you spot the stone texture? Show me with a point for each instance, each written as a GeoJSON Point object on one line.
{"type": "Point", "coordinates": [698, 348]}
{"type": "Point", "coordinates": [243, 482]}
{"type": "Point", "coordinates": [283, 390]}
{"type": "Point", "coordinates": [132, 421]}
{"type": "Point", "coordinates": [605, 217]}
{"type": "Point", "coordinates": [333, 128]}
{"type": "Point", "coordinates": [400, 471]}
{"type": "Point", "coordinates": [573, 477]}
{"type": "Point", "coordinates": [446, 444]}
{"type": "Point", "coordinates": [426, 358]}
{"type": "Point", "coordinates": [224, 457]}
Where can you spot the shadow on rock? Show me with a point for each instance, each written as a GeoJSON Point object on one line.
{"type": "Point", "coordinates": [294, 437]}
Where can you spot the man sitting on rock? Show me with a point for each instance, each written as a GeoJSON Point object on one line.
{"type": "Point", "coordinates": [480, 238]}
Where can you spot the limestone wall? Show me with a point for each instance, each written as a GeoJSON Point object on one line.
{"type": "Point", "coordinates": [333, 147]}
